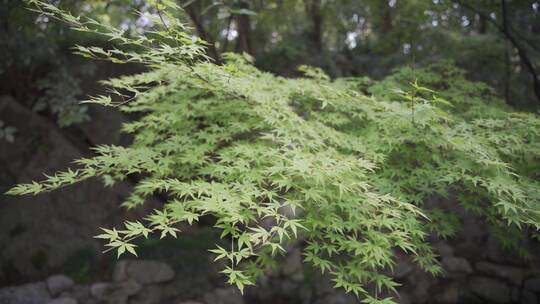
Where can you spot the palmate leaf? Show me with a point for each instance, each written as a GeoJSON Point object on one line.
{"type": "Point", "coordinates": [276, 159]}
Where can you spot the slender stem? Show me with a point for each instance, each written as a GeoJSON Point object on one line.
{"type": "Point", "coordinates": [159, 14]}
{"type": "Point", "coordinates": [232, 252]}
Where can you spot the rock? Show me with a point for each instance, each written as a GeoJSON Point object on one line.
{"type": "Point", "coordinates": [72, 215]}
{"type": "Point", "coordinates": [63, 301]}
{"type": "Point", "coordinates": [513, 274]}
{"type": "Point", "coordinates": [298, 277]}
{"type": "Point", "coordinates": [263, 281]}
{"type": "Point", "coordinates": [149, 295]}
{"type": "Point", "coordinates": [58, 284]}
{"type": "Point", "coordinates": [226, 295]}
{"type": "Point", "coordinates": [456, 266]}
{"type": "Point", "coordinates": [496, 253]}
{"type": "Point", "coordinates": [402, 269]}
{"type": "Point", "coordinates": [130, 287]}
{"type": "Point", "coordinates": [120, 271]}
{"type": "Point", "coordinates": [149, 272]}
{"type": "Point", "coordinates": [490, 289]}
{"type": "Point", "coordinates": [529, 298]}
{"type": "Point", "coordinates": [515, 294]}
{"type": "Point", "coordinates": [293, 263]}
{"type": "Point", "coordinates": [81, 292]}
{"type": "Point", "coordinates": [305, 294]}
{"type": "Point", "coordinates": [422, 291]}
{"type": "Point", "coordinates": [323, 285]}
{"type": "Point", "coordinates": [533, 284]}
{"type": "Point", "coordinates": [114, 293]}
{"type": "Point", "coordinates": [444, 250]}
{"type": "Point", "coordinates": [337, 298]}
{"type": "Point", "coordinates": [449, 295]}
{"type": "Point", "coordinates": [288, 287]}
{"type": "Point", "coordinates": [403, 298]}
{"type": "Point", "coordinates": [100, 290]}
{"type": "Point", "coordinates": [34, 293]}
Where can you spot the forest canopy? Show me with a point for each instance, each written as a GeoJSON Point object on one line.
{"type": "Point", "coordinates": [342, 164]}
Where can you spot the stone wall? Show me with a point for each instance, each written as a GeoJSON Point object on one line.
{"type": "Point", "coordinates": [45, 233]}
{"type": "Point", "coordinates": [477, 270]}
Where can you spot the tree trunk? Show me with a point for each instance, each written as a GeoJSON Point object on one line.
{"type": "Point", "coordinates": [244, 42]}
{"type": "Point", "coordinates": [482, 24]}
{"type": "Point", "coordinates": [313, 8]}
{"type": "Point", "coordinates": [386, 25]}
{"type": "Point", "coordinates": [193, 11]}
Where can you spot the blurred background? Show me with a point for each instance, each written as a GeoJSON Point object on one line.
{"type": "Point", "coordinates": [47, 253]}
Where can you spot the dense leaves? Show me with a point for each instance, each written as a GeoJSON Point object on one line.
{"type": "Point", "coordinates": [276, 160]}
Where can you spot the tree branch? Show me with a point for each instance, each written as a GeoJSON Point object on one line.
{"type": "Point", "coordinates": [206, 36]}
{"type": "Point", "coordinates": [505, 30]}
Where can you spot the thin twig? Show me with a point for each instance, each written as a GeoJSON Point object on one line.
{"type": "Point", "coordinates": [159, 14]}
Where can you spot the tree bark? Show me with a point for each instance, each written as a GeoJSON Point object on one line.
{"type": "Point", "coordinates": [507, 72]}
{"type": "Point", "coordinates": [313, 8]}
{"type": "Point", "coordinates": [193, 12]}
{"type": "Point", "coordinates": [386, 25]}
{"type": "Point", "coordinates": [482, 24]}
{"type": "Point", "coordinates": [244, 42]}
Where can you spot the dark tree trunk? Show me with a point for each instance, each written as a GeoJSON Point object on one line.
{"type": "Point", "coordinates": [386, 26]}
{"type": "Point", "coordinates": [507, 75]}
{"type": "Point", "coordinates": [193, 11]}
{"type": "Point", "coordinates": [243, 23]}
{"type": "Point", "coordinates": [482, 24]}
{"type": "Point", "coordinates": [313, 8]}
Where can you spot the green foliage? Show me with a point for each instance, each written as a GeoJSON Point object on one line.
{"type": "Point", "coordinates": [477, 149]}
{"type": "Point", "coordinates": [60, 93]}
{"type": "Point", "coordinates": [275, 159]}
